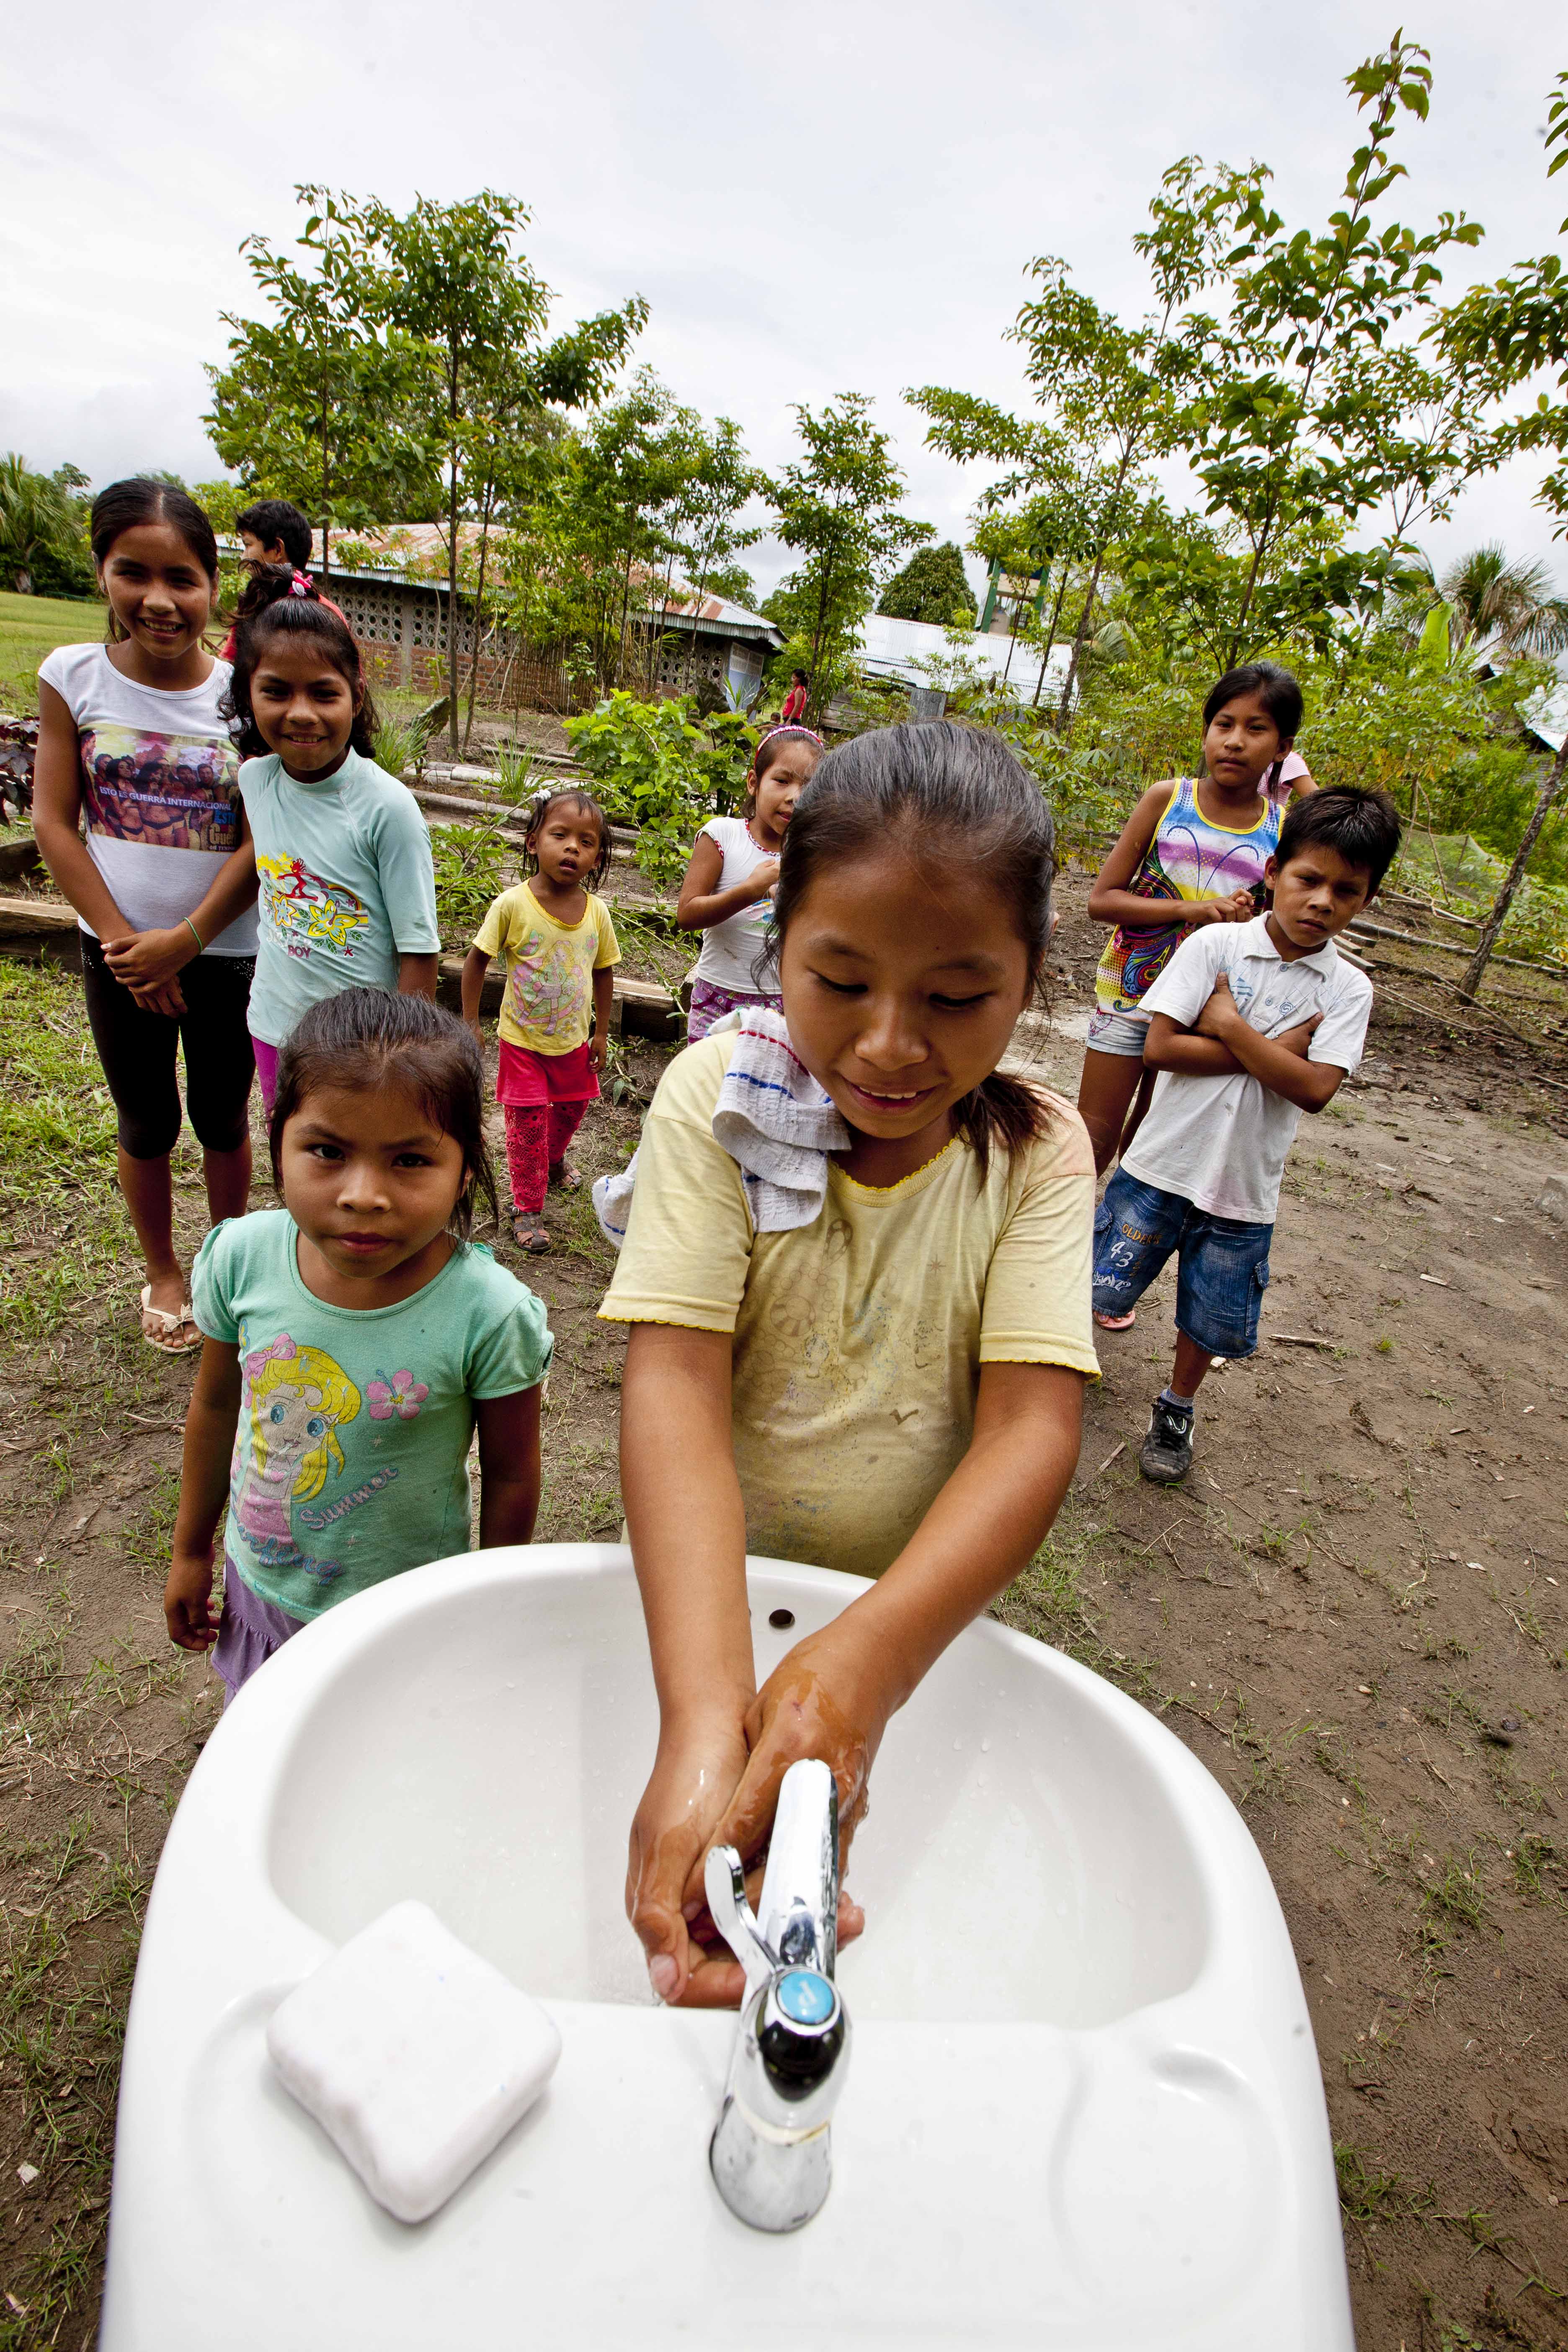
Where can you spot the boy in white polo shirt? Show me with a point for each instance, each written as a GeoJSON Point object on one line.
{"type": "Point", "coordinates": [1251, 1024]}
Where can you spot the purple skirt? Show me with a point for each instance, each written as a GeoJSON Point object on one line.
{"type": "Point", "coordinates": [248, 1631]}
{"type": "Point", "coordinates": [710, 1002]}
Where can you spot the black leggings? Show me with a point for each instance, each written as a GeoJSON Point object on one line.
{"type": "Point", "coordinates": [136, 1050]}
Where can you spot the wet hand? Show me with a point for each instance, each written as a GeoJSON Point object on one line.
{"type": "Point", "coordinates": [188, 1610]}
{"type": "Point", "coordinates": [763, 877]}
{"type": "Point", "coordinates": [1235, 906]}
{"type": "Point", "coordinates": [820, 1701]}
{"type": "Point", "coordinates": [695, 1775]}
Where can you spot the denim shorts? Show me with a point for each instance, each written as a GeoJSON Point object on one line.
{"type": "Point", "coordinates": [1117, 1033]}
{"type": "Point", "coordinates": [1223, 1264]}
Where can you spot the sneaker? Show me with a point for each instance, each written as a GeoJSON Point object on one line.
{"type": "Point", "coordinates": [1167, 1453]}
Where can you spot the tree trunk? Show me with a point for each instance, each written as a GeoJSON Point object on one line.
{"type": "Point", "coordinates": [1504, 899]}
{"type": "Point", "coordinates": [1051, 632]}
{"type": "Point", "coordinates": [1064, 709]}
{"type": "Point", "coordinates": [452, 553]}
{"type": "Point", "coordinates": [478, 611]}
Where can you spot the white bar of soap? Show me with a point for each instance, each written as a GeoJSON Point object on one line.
{"type": "Point", "coordinates": [414, 2057]}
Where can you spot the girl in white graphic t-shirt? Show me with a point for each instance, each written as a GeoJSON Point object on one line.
{"type": "Point", "coordinates": [728, 884]}
{"type": "Point", "coordinates": [131, 733]}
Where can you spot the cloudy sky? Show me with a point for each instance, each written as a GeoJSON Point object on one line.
{"type": "Point", "coordinates": [811, 199]}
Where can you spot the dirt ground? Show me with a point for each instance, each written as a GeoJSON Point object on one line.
{"type": "Point", "coordinates": [1353, 1613]}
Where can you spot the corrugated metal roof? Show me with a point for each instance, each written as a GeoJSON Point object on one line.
{"type": "Point", "coordinates": [918, 653]}
{"type": "Point", "coordinates": [1547, 717]}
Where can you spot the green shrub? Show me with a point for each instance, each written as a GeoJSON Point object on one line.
{"type": "Point", "coordinates": [468, 877]}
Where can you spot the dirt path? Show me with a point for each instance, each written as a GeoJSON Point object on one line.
{"type": "Point", "coordinates": [1353, 1613]}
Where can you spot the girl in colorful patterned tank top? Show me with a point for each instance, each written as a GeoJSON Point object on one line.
{"type": "Point", "coordinates": [1191, 852]}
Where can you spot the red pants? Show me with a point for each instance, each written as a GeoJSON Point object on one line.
{"type": "Point", "coordinates": [537, 1135]}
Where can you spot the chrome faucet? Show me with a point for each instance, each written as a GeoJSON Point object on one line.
{"type": "Point", "coordinates": [770, 2153]}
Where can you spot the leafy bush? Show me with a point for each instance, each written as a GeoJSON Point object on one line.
{"type": "Point", "coordinates": [401, 744]}
{"type": "Point", "coordinates": [468, 876]}
{"type": "Point", "coordinates": [657, 766]}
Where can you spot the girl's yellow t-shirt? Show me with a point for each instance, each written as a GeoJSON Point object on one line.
{"type": "Point", "coordinates": [859, 1337]}
{"type": "Point", "coordinates": [547, 1005]}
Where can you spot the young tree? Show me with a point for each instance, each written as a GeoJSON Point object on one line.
{"type": "Point", "coordinates": [931, 587]}
{"type": "Point", "coordinates": [314, 404]}
{"type": "Point", "coordinates": [1504, 336]}
{"type": "Point", "coordinates": [453, 279]}
{"type": "Point", "coordinates": [1311, 406]}
{"type": "Point", "coordinates": [839, 512]}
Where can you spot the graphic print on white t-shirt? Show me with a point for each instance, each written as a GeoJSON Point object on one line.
{"type": "Point", "coordinates": [170, 792]}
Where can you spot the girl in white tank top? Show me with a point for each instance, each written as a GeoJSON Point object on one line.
{"type": "Point", "coordinates": [728, 891]}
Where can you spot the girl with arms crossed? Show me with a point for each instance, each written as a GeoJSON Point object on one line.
{"type": "Point", "coordinates": [132, 733]}
{"type": "Point", "coordinates": [892, 1387]}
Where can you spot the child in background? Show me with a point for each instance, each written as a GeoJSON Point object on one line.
{"type": "Point", "coordinates": [348, 887]}
{"type": "Point", "coordinates": [1249, 1026]}
{"type": "Point", "coordinates": [875, 1358]}
{"type": "Point", "coordinates": [273, 533]}
{"type": "Point", "coordinates": [561, 949]}
{"type": "Point", "coordinates": [1192, 853]}
{"type": "Point", "coordinates": [353, 1339]}
{"type": "Point", "coordinates": [134, 733]}
{"type": "Point", "coordinates": [794, 701]}
{"type": "Point", "coordinates": [730, 882]}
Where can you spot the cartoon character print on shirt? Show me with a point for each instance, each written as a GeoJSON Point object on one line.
{"type": "Point", "coordinates": [304, 911]}
{"type": "Point", "coordinates": [548, 989]}
{"type": "Point", "coordinates": [298, 1397]}
{"type": "Point", "coordinates": [167, 791]}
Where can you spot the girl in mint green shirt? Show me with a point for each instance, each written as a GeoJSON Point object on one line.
{"type": "Point", "coordinates": [343, 854]}
{"type": "Point", "coordinates": [352, 1339]}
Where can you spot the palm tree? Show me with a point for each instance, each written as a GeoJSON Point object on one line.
{"type": "Point", "coordinates": [1496, 609]}
{"type": "Point", "coordinates": [38, 523]}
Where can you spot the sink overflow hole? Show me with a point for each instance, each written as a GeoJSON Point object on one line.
{"type": "Point", "coordinates": [780, 1618]}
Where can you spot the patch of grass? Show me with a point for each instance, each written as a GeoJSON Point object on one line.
{"type": "Point", "coordinates": [32, 626]}
{"type": "Point", "coordinates": [1533, 1858]}
{"type": "Point", "coordinates": [1455, 1897]}
{"type": "Point", "coordinates": [1369, 2196]}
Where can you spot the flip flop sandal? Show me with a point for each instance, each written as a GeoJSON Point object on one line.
{"type": "Point", "coordinates": [564, 1178]}
{"type": "Point", "coordinates": [532, 1238]}
{"type": "Point", "coordinates": [1117, 1322]}
{"type": "Point", "coordinates": [168, 1324]}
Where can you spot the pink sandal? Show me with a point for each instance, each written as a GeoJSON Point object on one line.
{"type": "Point", "coordinates": [1117, 1322]}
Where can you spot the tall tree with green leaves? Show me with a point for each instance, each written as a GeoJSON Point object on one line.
{"type": "Point", "coordinates": [453, 279]}
{"type": "Point", "coordinates": [315, 405]}
{"type": "Point", "coordinates": [933, 586]}
{"type": "Point", "coordinates": [838, 509]}
{"type": "Point", "coordinates": [1505, 337]}
{"type": "Point", "coordinates": [1313, 402]}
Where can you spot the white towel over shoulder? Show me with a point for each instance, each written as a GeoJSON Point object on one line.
{"type": "Point", "coordinates": [774, 1121]}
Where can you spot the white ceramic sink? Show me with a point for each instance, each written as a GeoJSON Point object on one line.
{"type": "Point", "coordinates": [1083, 2110]}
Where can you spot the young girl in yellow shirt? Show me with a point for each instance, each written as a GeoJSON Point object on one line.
{"type": "Point", "coordinates": [891, 1387]}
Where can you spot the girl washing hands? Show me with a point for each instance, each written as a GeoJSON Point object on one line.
{"type": "Point", "coordinates": [733, 872]}
{"type": "Point", "coordinates": [870, 1354]}
{"type": "Point", "coordinates": [348, 887]}
{"type": "Point", "coordinates": [352, 1338]}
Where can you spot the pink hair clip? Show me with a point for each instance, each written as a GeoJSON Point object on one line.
{"type": "Point", "coordinates": [300, 585]}
{"type": "Point", "coordinates": [793, 727]}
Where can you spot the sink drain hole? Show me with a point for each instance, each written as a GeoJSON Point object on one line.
{"type": "Point", "coordinates": [780, 1618]}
